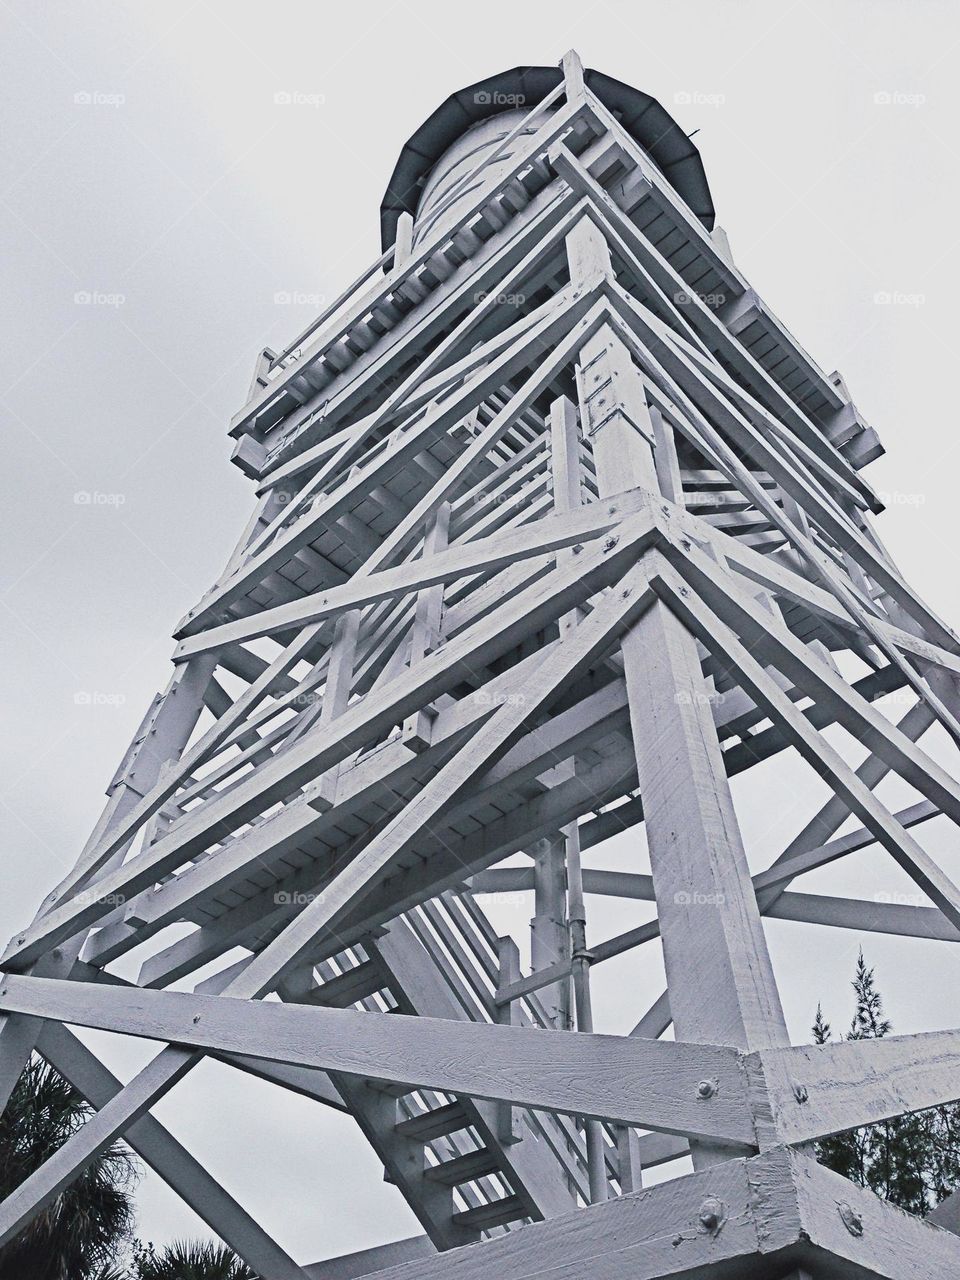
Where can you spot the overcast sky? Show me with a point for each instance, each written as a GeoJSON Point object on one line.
{"type": "Point", "coordinates": [158, 212]}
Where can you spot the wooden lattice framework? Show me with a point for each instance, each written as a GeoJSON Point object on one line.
{"type": "Point", "coordinates": [557, 529]}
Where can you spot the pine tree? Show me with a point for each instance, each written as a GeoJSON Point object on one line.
{"type": "Point", "coordinates": [912, 1161]}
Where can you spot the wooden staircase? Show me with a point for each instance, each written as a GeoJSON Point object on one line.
{"type": "Point", "coordinates": [466, 1167]}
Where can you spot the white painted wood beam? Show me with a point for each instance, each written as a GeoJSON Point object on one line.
{"type": "Point", "coordinates": [157, 1147]}
{"type": "Point", "coordinates": [650, 1083]}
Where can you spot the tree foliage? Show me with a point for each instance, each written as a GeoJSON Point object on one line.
{"type": "Point", "coordinates": [85, 1233]}
{"type": "Point", "coordinates": [912, 1161]}
{"type": "Point", "coordinates": [188, 1260]}
{"type": "Point", "coordinates": [79, 1234]}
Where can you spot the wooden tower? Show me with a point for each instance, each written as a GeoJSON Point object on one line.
{"type": "Point", "coordinates": [557, 529]}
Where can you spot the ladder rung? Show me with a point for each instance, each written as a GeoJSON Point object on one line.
{"type": "Point", "coordinates": [494, 1214]}
{"type": "Point", "coordinates": [465, 1168]}
{"type": "Point", "coordinates": [435, 1123]}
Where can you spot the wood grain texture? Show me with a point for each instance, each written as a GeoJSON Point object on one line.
{"type": "Point", "coordinates": [650, 1083]}
{"type": "Point", "coordinates": [861, 1082]}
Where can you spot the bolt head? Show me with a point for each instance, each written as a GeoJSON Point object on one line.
{"type": "Point", "coordinates": [706, 1088]}
{"type": "Point", "coordinates": [712, 1214]}
{"type": "Point", "coordinates": [850, 1218]}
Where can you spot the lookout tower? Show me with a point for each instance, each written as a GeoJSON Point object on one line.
{"type": "Point", "coordinates": [557, 530]}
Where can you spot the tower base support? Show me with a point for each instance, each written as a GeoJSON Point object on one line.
{"type": "Point", "coordinates": [775, 1216]}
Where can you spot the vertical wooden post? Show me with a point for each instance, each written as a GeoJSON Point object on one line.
{"type": "Point", "coordinates": [665, 457]}
{"type": "Point", "coordinates": [425, 635]}
{"type": "Point", "coordinates": [548, 928]}
{"type": "Point", "coordinates": [403, 245]}
{"type": "Point", "coordinates": [573, 83]}
{"type": "Point", "coordinates": [722, 988]}
{"type": "Point", "coordinates": [568, 495]}
{"type": "Point", "coordinates": [567, 477]}
{"type": "Point", "coordinates": [343, 652]}
{"type": "Point", "coordinates": [580, 959]}
{"type": "Point", "coordinates": [508, 1122]}
{"type": "Point", "coordinates": [628, 1158]}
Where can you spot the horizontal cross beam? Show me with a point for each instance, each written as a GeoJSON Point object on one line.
{"type": "Point", "coordinates": [651, 1083]}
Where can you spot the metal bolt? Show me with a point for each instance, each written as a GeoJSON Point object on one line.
{"type": "Point", "coordinates": [677, 1240]}
{"type": "Point", "coordinates": [610, 543]}
{"type": "Point", "coordinates": [196, 1017]}
{"type": "Point", "coordinates": [712, 1214]}
{"type": "Point", "coordinates": [850, 1218]}
{"type": "Point", "coordinates": [800, 1093]}
{"type": "Point", "coordinates": [706, 1088]}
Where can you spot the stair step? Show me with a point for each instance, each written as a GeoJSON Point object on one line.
{"type": "Point", "coordinates": [435, 1123]}
{"type": "Point", "coordinates": [391, 1088]}
{"type": "Point", "coordinates": [465, 1168]}
{"type": "Point", "coordinates": [495, 1214]}
{"type": "Point", "coordinates": [347, 988]}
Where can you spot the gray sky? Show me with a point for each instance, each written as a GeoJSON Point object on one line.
{"type": "Point", "coordinates": [156, 205]}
